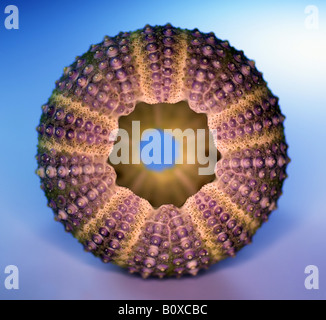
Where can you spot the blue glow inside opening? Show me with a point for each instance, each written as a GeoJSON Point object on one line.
{"type": "Point", "coordinates": [158, 150]}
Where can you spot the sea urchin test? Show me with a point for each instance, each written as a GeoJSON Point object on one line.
{"type": "Point", "coordinates": [162, 65]}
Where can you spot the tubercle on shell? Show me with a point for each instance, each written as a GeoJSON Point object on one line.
{"type": "Point", "coordinates": [153, 65]}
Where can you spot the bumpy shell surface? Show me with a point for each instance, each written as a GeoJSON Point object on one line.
{"type": "Point", "coordinates": [154, 65]}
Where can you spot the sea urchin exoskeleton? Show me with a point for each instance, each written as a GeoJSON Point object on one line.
{"type": "Point", "coordinates": [154, 65]}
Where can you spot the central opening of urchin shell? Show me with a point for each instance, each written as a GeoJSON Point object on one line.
{"type": "Point", "coordinates": [164, 152]}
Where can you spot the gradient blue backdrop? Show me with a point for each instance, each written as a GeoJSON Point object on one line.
{"type": "Point", "coordinates": [52, 263]}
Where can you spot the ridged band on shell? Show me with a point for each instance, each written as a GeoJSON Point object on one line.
{"type": "Point", "coordinates": [154, 65]}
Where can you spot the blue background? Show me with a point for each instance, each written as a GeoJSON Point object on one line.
{"type": "Point", "coordinates": [52, 263]}
{"type": "Point", "coordinates": [161, 151]}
